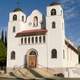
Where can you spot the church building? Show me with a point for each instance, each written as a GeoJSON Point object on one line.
{"type": "Point", "coordinates": [37, 41]}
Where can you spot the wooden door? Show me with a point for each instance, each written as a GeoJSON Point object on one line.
{"type": "Point", "coordinates": [32, 61]}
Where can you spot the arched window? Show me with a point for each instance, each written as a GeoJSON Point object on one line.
{"type": "Point", "coordinates": [25, 40]}
{"type": "Point", "coordinates": [13, 55]}
{"type": "Point", "coordinates": [44, 39]}
{"type": "Point", "coordinates": [32, 39]}
{"type": "Point", "coordinates": [40, 39]}
{"type": "Point", "coordinates": [36, 39]}
{"type": "Point", "coordinates": [53, 25]}
{"type": "Point", "coordinates": [54, 53]}
{"type": "Point", "coordinates": [21, 40]}
{"type": "Point", "coordinates": [14, 17]}
{"type": "Point", "coordinates": [53, 12]}
{"type": "Point", "coordinates": [29, 40]}
{"type": "Point", "coordinates": [23, 18]}
{"type": "Point", "coordinates": [35, 24]}
{"type": "Point", "coordinates": [14, 29]}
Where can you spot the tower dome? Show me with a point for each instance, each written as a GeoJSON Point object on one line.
{"type": "Point", "coordinates": [17, 9]}
{"type": "Point", "coordinates": [55, 3]}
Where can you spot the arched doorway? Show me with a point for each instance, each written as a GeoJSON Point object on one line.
{"type": "Point", "coordinates": [32, 59]}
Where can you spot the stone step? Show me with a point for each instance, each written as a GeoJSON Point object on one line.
{"type": "Point", "coordinates": [27, 73]}
{"type": "Point", "coordinates": [44, 72]}
{"type": "Point", "coordinates": [23, 73]}
{"type": "Point", "coordinates": [35, 73]}
{"type": "Point", "coordinates": [17, 73]}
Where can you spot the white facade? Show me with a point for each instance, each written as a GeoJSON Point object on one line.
{"type": "Point", "coordinates": [50, 35]}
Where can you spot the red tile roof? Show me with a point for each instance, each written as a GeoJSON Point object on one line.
{"type": "Point", "coordinates": [31, 32]}
{"type": "Point", "coordinates": [71, 46]}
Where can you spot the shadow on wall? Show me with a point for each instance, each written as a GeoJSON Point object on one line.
{"type": "Point", "coordinates": [25, 61]}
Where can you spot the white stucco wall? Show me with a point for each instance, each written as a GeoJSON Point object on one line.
{"type": "Point", "coordinates": [22, 50]}
{"type": "Point", "coordinates": [71, 57]}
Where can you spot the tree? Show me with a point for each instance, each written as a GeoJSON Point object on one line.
{"type": "Point", "coordinates": [2, 35]}
{"type": "Point", "coordinates": [5, 39]}
{"type": "Point", "coordinates": [3, 53]}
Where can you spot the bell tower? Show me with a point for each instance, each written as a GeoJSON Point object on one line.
{"type": "Point", "coordinates": [55, 35]}
{"type": "Point", "coordinates": [17, 18]}
{"type": "Point", "coordinates": [16, 23]}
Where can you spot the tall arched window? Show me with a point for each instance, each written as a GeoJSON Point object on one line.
{"type": "Point", "coordinates": [44, 39]}
{"type": "Point", "coordinates": [40, 39]}
{"type": "Point", "coordinates": [13, 55]}
{"type": "Point", "coordinates": [53, 12]}
{"type": "Point", "coordinates": [25, 40]}
{"type": "Point", "coordinates": [53, 25]}
{"type": "Point", "coordinates": [54, 53]}
{"type": "Point", "coordinates": [32, 39]}
{"type": "Point", "coordinates": [14, 29]}
{"type": "Point", "coordinates": [36, 39]}
{"type": "Point", "coordinates": [29, 40]}
{"type": "Point", "coordinates": [23, 18]}
{"type": "Point", "coordinates": [21, 40]}
{"type": "Point", "coordinates": [35, 24]}
{"type": "Point", "coordinates": [14, 17]}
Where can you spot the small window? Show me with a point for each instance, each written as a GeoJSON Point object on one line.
{"type": "Point", "coordinates": [14, 17]}
{"type": "Point", "coordinates": [25, 40]}
{"type": "Point", "coordinates": [40, 39]}
{"type": "Point", "coordinates": [53, 12]}
{"type": "Point", "coordinates": [13, 55]}
{"type": "Point", "coordinates": [29, 40]}
{"type": "Point", "coordinates": [21, 40]}
{"type": "Point", "coordinates": [23, 18]}
{"type": "Point", "coordinates": [35, 24]}
{"type": "Point", "coordinates": [53, 25]}
{"type": "Point", "coordinates": [63, 54]}
{"type": "Point", "coordinates": [32, 39]}
{"type": "Point", "coordinates": [36, 39]}
{"type": "Point", "coordinates": [14, 29]}
{"type": "Point", "coordinates": [54, 53]}
{"type": "Point", "coordinates": [44, 39]}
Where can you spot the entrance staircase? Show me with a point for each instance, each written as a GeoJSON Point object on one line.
{"type": "Point", "coordinates": [34, 73]}
{"type": "Point", "coordinates": [23, 73]}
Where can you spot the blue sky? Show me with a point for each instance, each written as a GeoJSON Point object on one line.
{"type": "Point", "coordinates": [71, 13]}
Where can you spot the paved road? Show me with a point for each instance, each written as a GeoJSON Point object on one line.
{"type": "Point", "coordinates": [35, 79]}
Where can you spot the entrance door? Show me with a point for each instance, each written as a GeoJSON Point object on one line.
{"type": "Point", "coordinates": [32, 60]}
